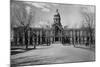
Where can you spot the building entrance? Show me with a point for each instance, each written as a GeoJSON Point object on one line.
{"type": "Point", "coordinates": [56, 38]}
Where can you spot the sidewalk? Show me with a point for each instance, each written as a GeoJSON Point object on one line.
{"type": "Point", "coordinates": [21, 49]}
{"type": "Point", "coordinates": [92, 47]}
{"type": "Point", "coordinates": [56, 53]}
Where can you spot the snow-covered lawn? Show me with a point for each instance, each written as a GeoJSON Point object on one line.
{"type": "Point", "coordinates": [56, 53]}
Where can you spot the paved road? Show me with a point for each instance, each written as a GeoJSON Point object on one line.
{"type": "Point", "coordinates": [56, 53]}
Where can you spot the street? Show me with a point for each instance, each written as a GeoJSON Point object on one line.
{"type": "Point", "coordinates": [56, 53]}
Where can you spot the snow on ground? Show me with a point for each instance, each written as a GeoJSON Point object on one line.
{"type": "Point", "coordinates": [56, 53]}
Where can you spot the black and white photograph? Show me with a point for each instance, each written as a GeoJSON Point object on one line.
{"type": "Point", "coordinates": [43, 33]}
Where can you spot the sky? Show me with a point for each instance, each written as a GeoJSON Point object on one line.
{"type": "Point", "coordinates": [70, 14]}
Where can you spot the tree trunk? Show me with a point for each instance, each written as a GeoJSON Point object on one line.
{"type": "Point", "coordinates": [34, 46]}
{"type": "Point", "coordinates": [26, 46]}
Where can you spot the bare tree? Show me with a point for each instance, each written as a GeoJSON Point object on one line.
{"type": "Point", "coordinates": [88, 22]}
{"type": "Point", "coordinates": [23, 16]}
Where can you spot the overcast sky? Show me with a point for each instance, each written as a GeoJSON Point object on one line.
{"type": "Point", "coordinates": [70, 14]}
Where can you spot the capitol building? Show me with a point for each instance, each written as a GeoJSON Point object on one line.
{"type": "Point", "coordinates": [40, 36]}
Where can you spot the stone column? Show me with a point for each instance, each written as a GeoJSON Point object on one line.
{"type": "Point", "coordinates": [18, 38]}
{"type": "Point", "coordinates": [61, 39]}
{"type": "Point", "coordinates": [40, 37]}
{"type": "Point", "coordinates": [29, 37]}
{"type": "Point", "coordinates": [50, 39]}
{"type": "Point", "coordinates": [37, 38]}
{"type": "Point", "coordinates": [74, 37]}
{"type": "Point", "coordinates": [32, 40]}
{"type": "Point", "coordinates": [83, 40]}
{"type": "Point", "coordinates": [23, 38]}
{"type": "Point", "coordinates": [79, 38]}
{"type": "Point", "coordinates": [53, 38]}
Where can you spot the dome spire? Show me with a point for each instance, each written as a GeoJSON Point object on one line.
{"type": "Point", "coordinates": [57, 10]}
{"type": "Point", "coordinates": [57, 13]}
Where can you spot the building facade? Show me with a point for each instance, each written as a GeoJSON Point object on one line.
{"type": "Point", "coordinates": [40, 36]}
